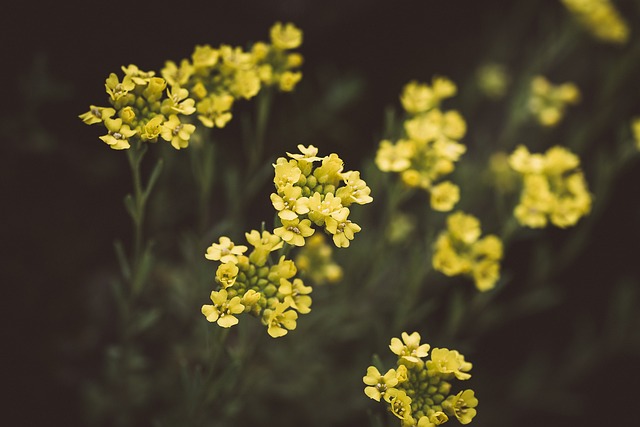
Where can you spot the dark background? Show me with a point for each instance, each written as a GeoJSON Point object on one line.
{"type": "Point", "coordinates": [62, 189]}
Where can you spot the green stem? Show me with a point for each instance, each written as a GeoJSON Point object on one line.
{"type": "Point", "coordinates": [263, 110]}
{"type": "Point", "coordinates": [136, 209]}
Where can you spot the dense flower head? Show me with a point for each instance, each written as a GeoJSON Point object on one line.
{"type": "Point", "coordinates": [553, 187]}
{"type": "Point", "coordinates": [548, 102]}
{"type": "Point", "coordinates": [255, 284]}
{"type": "Point", "coordinates": [155, 106]}
{"type": "Point", "coordinates": [313, 192]}
{"type": "Point", "coordinates": [418, 391]}
{"type": "Point", "coordinates": [459, 250]}
{"type": "Point", "coordinates": [600, 18]}
{"type": "Point", "coordinates": [430, 145]}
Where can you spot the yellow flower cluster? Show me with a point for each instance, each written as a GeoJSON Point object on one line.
{"type": "Point", "coordinates": [249, 284]}
{"type": "Point", "coordinates": [554, 188]}
{"type": "Point", "coordinates": [208, 83]}
{"type": "Point", "coordinates": [430, 143]}
{"type": "Point", "coordinates": [548, 102]}
{"type": "Point", "coordinates": [141, 109]}
{"type": "Point", "coordinates": [600, 18]}
{"type": "Point", "coordinates": [217, 77]}
{"type": "Point", "coordinates": [311, 190]}
{"type": "Point", "coordinates": [460, 251]}
{"type": "Point", "coordinates": [418, 392]}
{"type": "Point", "coordinates": [315, 261]}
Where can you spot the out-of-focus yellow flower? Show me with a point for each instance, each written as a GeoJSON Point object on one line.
{"type": "Point", "coordinates": [460, 251]}
{"type": "Point", "coordinates": [204, 56]}
{"type": "Point", "coordinates": [549, 102]}
{"type": "Point", "coordinates": [286, 36]}
{"type": "Point", "coordinates": [493, 80]}
{"type": "Point", "coordinates": [444, 196]}
{"type": "Point", "coordinates": [554, 188]}
{"type": "Point", "coordinates": [635, 130]}
{"type": "Point", "coordinates": [600, 18]}
{"type": "Point", "coordinates": [214, 110]}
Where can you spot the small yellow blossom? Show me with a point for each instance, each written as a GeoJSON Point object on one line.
{"type": "Point", "coordinates": [548, 102]}
{"type": "Point", "coordinates": [396, 157]}
{"type": "Point", "coordinates": [288, 80]}
{"type": "Point", "coordinates": [296, 295]}
{"type": "Point", "coordinates": [462, 406]}
{"type": "Point", "coordinates": [214, 110]}
{"type": "Point", "coordinates": [204, 56]}
{"type": "Point", "coordinates": [286, 36]}
{"type": "Point", "coordinates": [177, 133]}
{"type": "Point", "coordinates": [226, 274]}
{"type": "Point", "coordinates": [290, 203]}
{"type": "Point", "coordinates": [225, 251]}
{"type": "Point", "coordinates": [451, 362]}
{"type": "Point", "coordinates": [97, 114]}
{"type": "Point", "coordinates": [409, 348]}
{"type": "Point", "coordinates": [152, 129]}
{"type": "Point", "coordinates": [341, 228]}
{"type": "Point", "coordinates": [399, 403]}
{"type": "Point", "coordinates": [280, 320]}
{"type": "Point", "coordinates": [263, 244]}
{"type": "Point", "coordinates": [378, 384]}
{"type": "Point", "coordinates": [119, 134]}
{"type": "Point", "coordinates": [222, 311]}
{"type": "Point", "coordinates": [444, 196]}
{"type": "Point", "coordinates": [294, 231]}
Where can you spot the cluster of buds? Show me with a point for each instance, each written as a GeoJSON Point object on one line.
{"type": "Point", "coordinates": [418, 392]}
{"type": "Point", "coordinates": [459, 250]}
{"type": "Point", "coordinates": [430, 145]}
{"type": "Point", "coordinates": [554, 188]}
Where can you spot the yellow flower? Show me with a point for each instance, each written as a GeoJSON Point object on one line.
{"type": "Point", "coordinates": [444, 196]}
{"type": "Point", "coordinates": [152, 129]}
{"type": "Point", "coordinates": [119, 134]}
{"type": "Point", "coordinates": [309, 153]}
{"type": "Point", "coordinates": [341, 228]}
{"type": "Point", "coordinates": [399, 403]}
{"type": "Point", "coordinates": [378, 384]}
{"type": "Point", "coordinates": [226, 274]}
{"type": "Point", "coordinates": [445, 361]}
{"type": "Point", "coordinates": [204, 56]}
{"type": "Point", "coordinates": [355, 190]}
{"type": "Point", "coordinates": [178, 102]}
{"type": "Point", "coordinates": [117, 89]}
{"type": "Point", "coordinates": [154, 89]}
{"type": "Point", "coordinates": [485, 274]}
{"type": "Point", "coordinates": [548, 102]}
{"type": "Point", "coordinates": [287, 172]}
{"type": "Point", "coordinates": [214, 110]}
{"type": "Point", "coordinates": [464, 227]}
{"type": "Point", "coordinates": [294, 231]}
{"type": "Point", "coordinates": [288, 80]}
{"type": "Point", "coordinates": [322, 207]}
{"type": "Point", "coordinates": [222, 311]}
{"type": "Point", "coordinates": [286, 36]}
{"type": "Point", "coordinates": [600, 18]}
{"type": "Point", "coordinates": [177, 76]}
{"type": "Point", "coordinates": [462, 406]}
{"type": "Point", "coordinates": [394, 157]}
{"type": "Point", "coordinates": [329, 171]}
{"type": "Point", "coordinates": [177, 133]}
{"type": "Point", "coordinates": [417, 97]}
{"type": "Point", "coordinates": [411, 350]}
{"type": "Point", "coordinates": [138, 76]}
{"type": "Point", "coordinates": [225, 251]}
{"type": "Point", "coordinates": [246, 83]}
{"type": "Point", "coordinates": [279, 320]}
{"type": "Point", "coordinates": [264, 244]}
{"type": "Point", "coordinates": [290, 203]}
{"type": "Point", "coordinates": [296, 295]}
{"type": "Point", "coordinates": [97, 114]}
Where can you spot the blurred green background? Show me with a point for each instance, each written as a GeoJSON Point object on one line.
{"type": "Point", "coordinates": [557, 346]}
